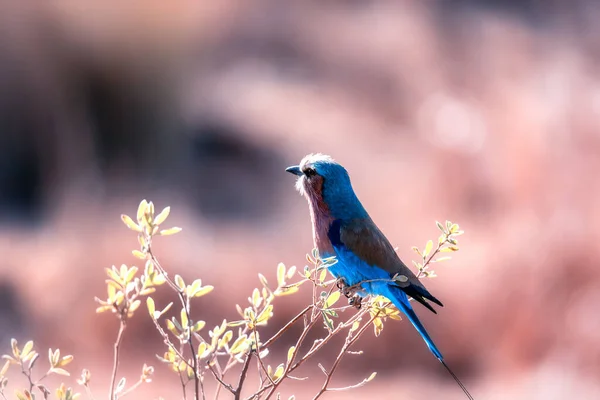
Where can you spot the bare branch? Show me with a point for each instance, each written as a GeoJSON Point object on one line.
{"type": "Point", "coordinates": [117, 347]}
{"type": "Point", "coordinates": [243, 374]}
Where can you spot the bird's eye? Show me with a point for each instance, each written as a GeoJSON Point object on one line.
{"type": "Point", "coordinates": [310, 172]}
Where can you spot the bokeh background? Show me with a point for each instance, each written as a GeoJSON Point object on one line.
{"type": "Point", "coordinates": [486, 113]}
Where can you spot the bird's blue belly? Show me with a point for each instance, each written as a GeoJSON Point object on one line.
{"type": "Point", "coordinates": [354, 271]}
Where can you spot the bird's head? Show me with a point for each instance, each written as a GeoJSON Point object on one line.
{"type": "Point", "coordinates": [326, 184]}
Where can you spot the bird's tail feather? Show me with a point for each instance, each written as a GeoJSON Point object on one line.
{"type": "Point", "coordinates": [398, 297]}
{"type": "Point", "coordinates": [401, 302]}
{"type": "Point", "coordinates": [464, 389]}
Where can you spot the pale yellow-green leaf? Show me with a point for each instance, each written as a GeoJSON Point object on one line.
{"type": "Point", "coordinates": [123, 272]}
{"type": "Point", "coordinates": [256, 299]}
{"type": "Point", "coordinates": [170, 231]}
{"type": "Point", "coordinates": [202, 347]}
{"type": "Point", "coordinates": [323, 275]}
{"type": "Point", "coordinates": [151, 307]}
{"type": "Point", "coordinates": [141, 210]}
{"type": "Point", "coordinates": [4, 368]}
{"type": "Point", "coordinates": [26, 349]}
{"type": "Point", "coordinates": [442, 238]}
{"type": "Point", "coordinates": [138, 254]}
{"type": "Point", "coordinates": [60, 371]}
{"type": "Point", "coordinates": [15, 347]}
{"type": "Point", "coordinates": [135, 305]}
{"type": "Point", "coordinates": [120, 385]}
{"type": "Point", "coordinates": [160, 218]}
{"type": "Point", "coordinates": [167, 307]}
{"type": "Point", "coordinates": [428, 248]}
{"type": "Point", "coordinates": [265, 314]}
{"type": "Point", "coordinates": [239, 310]}
{"type": "Point", "coordinates": [307, 272]}
{"type": "Point", "coordinates": [184, 318]}
{"type": "Point", "coordinates": [239, 345]}
{"type": "Point", "coordinates": [198, 326]}
{"type": "Point", "coordinates": [440, 226]}
{"type": "Point", "coordinates": [442, 259]}
{"type": "Point", "coordinates": [290, 353]}
{"type": "Point", "coordinates": [225, 339]}
{"type": "Point", "coordinates": [286, 290]}
{"type": "Point", "coordinates": [179, 282]}
{"type": "Point", "coordinates": [371, 377]}
{"type": "Point", "coordinates": [131, 274]}
{"type": "Point", "coordinates": [112, 274]}
{"type": "Point", "coordinates": [449, 249]}
{"type": "Point", "coordinates": [130, 224]}
{"type": "Point", "coordinates": [171, 327]}
{"type": "Point", "coordinates": [65, 360]}
{"type": "Point", "coordinates": [291, 271]}
{"type": "Point", "coordinates": [454, 228]}
{"type": "Point", "coordinates": [102, 309]}
{"type": "Point", "coordinates": [263, 280]}
{"type": "Point", "coordinates": [22, 396]}
{"type": "Point", "coordinates": [280, 274]}
{"type": "Point", "coordinates": [278, 372]}
{"type": "Point", "coordinates": [204, 290]}
{"type": "Point", "coordinates": [331, 300]}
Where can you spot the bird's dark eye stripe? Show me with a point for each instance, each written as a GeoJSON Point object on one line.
{"type": "Point", "coordinates": [309, 172]}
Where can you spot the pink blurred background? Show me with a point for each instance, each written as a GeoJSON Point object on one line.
{"type": "Point", "coordinates": [486, 113]}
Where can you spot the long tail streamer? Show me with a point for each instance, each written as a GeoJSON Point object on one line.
{"type": "Point", "coordinates": [457, 380]}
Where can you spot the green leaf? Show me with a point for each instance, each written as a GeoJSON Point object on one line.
{"type": "Point", "coordinates": [160, 218]}
{"type": "Point", "coordinates": [151, 307]}
{"type": "Point", "coordinates": [428, 248]}
{"type": "Point", "coordinates": [130, 224]}
{"type": "Point", "coordinates": [332, 299]}
{"type": "Point", "coordinates": [170, 231]}
{"type": "Point", "coordinates": [291, 354]}
{"type": "Point", "coordinates": [280, 274]}
{"type": "Point", "coordinates": [179, 282]}
{"type": "Point", "coordinates": [440, 226]}
{"type": "Point", "coordinates": [204, 290]}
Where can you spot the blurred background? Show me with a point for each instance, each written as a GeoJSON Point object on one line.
{"type": "Point", "coordinates": [486, 113]}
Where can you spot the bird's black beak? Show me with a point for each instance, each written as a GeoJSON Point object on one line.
{"type": "Point", "coordinates": [294, 170]}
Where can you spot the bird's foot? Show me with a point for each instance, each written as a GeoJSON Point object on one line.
{"type": "Point", "coordinates": [348, 291]}
{"type": "Point", "coordinates": [355, 301]}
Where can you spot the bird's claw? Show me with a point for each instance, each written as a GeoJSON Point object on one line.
{"type": "Point", "coordinates": [355, 302]}
{"type": "Point", "coordinates": [346, 290]}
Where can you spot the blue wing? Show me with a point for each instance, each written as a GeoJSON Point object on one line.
{"type": "Point", "coordinates": [364, 253]}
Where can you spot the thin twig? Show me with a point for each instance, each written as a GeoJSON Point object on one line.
{"type": "Point", "coordinates": [224, 384]}
{"type": "Point", "coordinates": [259, 358]}
{"type": "Point", "coordinates": [132, 388]}
{"type": "Point", "coordinates": [183, 385]}
{"type": "Point", "coordinates": [350, 340]}
{"type": "Point", "coordinates": [117, 347]}
{"type": "Point", "coordinates": [238, 391]}
{"type": "Point", "coordinates": [88, 391]}
{"type": "Point", "coordinates": [186, 308]}
{"type": "Point", "coordinates": [286, 327]}
{"type": "Point", "coordinates": [317, 345]}
{"type": "Point", "coordinates": [435, 252]}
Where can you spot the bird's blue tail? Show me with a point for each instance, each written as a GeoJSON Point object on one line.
{"type": "Point", "coordinates": [398, 297]}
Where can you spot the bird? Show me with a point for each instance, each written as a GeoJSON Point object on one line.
{"type": "Point", "coordinates": [366, 260]}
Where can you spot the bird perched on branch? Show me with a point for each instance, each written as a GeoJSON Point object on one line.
{"type": "Point", "coordinates": [366, 261]}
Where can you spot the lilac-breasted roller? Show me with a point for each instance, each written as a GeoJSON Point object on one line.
{"type": "Point", "coordinates": [365, 258]}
